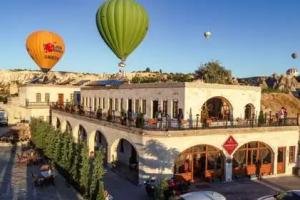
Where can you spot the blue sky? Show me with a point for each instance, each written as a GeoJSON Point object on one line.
{"type": "Point", "coordinates": [250, 37]}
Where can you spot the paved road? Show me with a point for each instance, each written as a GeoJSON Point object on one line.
{"type": "Point", "coordinates": [16, 181]}
{"type": "Point", "coordinates": [122, 189]}
{"type": "Point", "coordinates": [4, 130]}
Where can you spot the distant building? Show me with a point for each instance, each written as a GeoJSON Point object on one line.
{"type": "Point", "coordinates": [34, 100]}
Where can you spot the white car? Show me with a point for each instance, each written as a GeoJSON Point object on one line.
{"type": "Point", "coordinates": [288, 195]}
{"type": "Point", "coordinates": [202, 195]}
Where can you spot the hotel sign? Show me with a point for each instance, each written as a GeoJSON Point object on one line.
{"type": "Point", "coordinates": [230, 145]}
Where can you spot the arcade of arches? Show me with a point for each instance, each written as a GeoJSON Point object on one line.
{"type": "Point", "coordinates": [206, 163]}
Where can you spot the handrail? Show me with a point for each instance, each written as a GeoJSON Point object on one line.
{"type": "Point", "coordinates": [166, 124]}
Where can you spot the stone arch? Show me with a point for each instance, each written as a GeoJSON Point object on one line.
{"type": "Point", "coordinates": [125, 154]}
{"type": "Point", "coordinates": [251, 158]}
{"type": "Point", "coordinates": [249, 112]}
{"type": "Point", "coordinates": [98, 141]}
{"type": "Point", "coordinates": [200, 163]}
{"type": "Point", "coordinates": [216, 108]}
{"type": "Point", "coordinates": [69, 128]}
{"type": "Point", "coordinates": [80, 134]}
{"type": "Point", "coordinates": [58, 124]}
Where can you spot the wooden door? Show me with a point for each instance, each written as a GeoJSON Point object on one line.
{"type": "Point", "coordinates": [281, 160]}
{"type": "Point", "coordinates": [61, 99]}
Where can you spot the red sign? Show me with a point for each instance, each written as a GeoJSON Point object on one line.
{"type": "Point", "coordinates": [230, 145]}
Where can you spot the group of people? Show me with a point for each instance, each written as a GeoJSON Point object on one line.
{"type": "Point", "coordinates": [160, 114]}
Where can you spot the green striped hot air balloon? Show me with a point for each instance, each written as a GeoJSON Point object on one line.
{"type": "Point", "coordinates": [123, 25]}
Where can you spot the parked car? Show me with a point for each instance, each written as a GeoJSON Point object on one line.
{"type": "Point", "coordinates": [288, 195]}
{"type": "Point", "coordinates": [202, 195]}
{"type": "Point", "coordinates": [3, 118]}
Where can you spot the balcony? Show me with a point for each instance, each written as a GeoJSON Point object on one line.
{"type": "Point", "coordinates": [167, 124]}
{"type": "Point", "coordinates": [37, 104]}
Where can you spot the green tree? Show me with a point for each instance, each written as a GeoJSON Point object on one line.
{"type": "Point", "coordinates": [213, 72]}
{"type": "Point", "coordinates": [85, 170]}
{"type": "Point", "coordinates": [159, 190]}
{"type": "Point", "coordinates": [64, 161]}
{"type": "Point", "coordinates": [147, 69]}
{"type": "Point", "coordinates": [97, 175]}
{"type": "Point", "coordinates": [76, 163]}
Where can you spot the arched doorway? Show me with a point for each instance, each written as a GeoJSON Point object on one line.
{"type": "Point", "coordinates": [127, 160]}
{"type": "Point", "coordinates": [200, 163]}
{"type": "Point", "coordinates": [58, 125]}
{"type": "Point", "coordinates": [82, 135]}
{"type": "Point", "coordinates": [252, 158]}
{"type": "Point", "coordinates": [216, 109]}
{"type": "Point", "coordinates": [68, 128]}
{"type": "Point", "coordinates": [101, 144]}
{"type": "Point", "coordinates": [249, 111]}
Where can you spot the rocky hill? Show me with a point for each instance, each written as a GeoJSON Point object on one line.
{"type": "Point", "coordinates": [274, 101]}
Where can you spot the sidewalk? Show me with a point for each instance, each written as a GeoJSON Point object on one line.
{"type": "Point", "coordinates": [16, 181]}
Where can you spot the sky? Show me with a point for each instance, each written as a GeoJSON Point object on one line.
{"type": "Point", "coordinates": [249, 37]}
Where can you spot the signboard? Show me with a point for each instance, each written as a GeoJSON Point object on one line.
{"type": "Point", "coordinates": [230, 145]}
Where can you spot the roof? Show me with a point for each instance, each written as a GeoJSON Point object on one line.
{"type": "Point", "coordinates": [106, 83]}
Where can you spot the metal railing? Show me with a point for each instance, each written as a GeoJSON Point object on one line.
{"type": "Point", "coordinates": [166, 123]}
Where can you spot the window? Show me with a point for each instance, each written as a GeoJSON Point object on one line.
{"type": "Point", "coordinates": [175, 109]}
{"type": "Point", "coordinates": [95, 104]}
{"type": "Point", "coordinates": [165, 107]}
{"type": "Point", "coordinates": [71, 98]}
{"type": "Point", "coordinates": [103, 103]}
{"type": "Point", "coordinates": [110, 104]}
{"type": "Point", "coordinates": [292, 154]}
{"type": "Point", "coordinates": [99, 102]}
{"type": "Point", "coordinates": [116, 104]}
{"type": "Point", "coordinates": [82, 100]}
{"type": "Point", "coordinates": [144, 105]}
{"type": "Point", "coordinates": [122, 105]}
{"type": "Point", "coordinates": [90, 102]}
{"type": "Point", "coordinates": [47, 97]}
{"type": "Point", "coordinates": [137, 105]}
{"type": "Point", "coordinates": [86, 102]}
{"type": "Point", "coordinates": [38, 97]}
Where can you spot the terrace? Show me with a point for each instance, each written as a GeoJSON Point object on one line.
{"type": "Point", "coordinates": [168, 124]}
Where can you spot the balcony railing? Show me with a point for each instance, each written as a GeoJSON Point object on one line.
{"type": "Point", "coordinates": [166, 123]}
{"type": "Point", "coordinates": [32, 104]}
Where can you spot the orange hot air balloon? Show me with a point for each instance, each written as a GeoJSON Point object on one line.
{"type": "Point", "coordinates": [45, 48]}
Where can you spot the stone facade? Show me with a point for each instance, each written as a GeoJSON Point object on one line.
{"type": "Point", "coordinates": [190, 97]}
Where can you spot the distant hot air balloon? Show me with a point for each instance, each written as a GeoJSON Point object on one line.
{"type": "Point", "coordinates": [207, 34]}
{"type": "Point", "coordinates": [122, 24]}
{"type": "Point", "coordinates": [294, 55]}
{"type": "Point", "coordinates": [45, 48]}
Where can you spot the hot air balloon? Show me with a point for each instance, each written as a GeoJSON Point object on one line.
{"type": "Point", "coordinates": [207, 34]}
{"type": "Point", "coordinates": [45, 48]}
{"type": "Point", "coordinates": [294, 55]}
{"type": "Point", "coordinates": [122, 24]}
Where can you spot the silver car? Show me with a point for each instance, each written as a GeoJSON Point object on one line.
{"type": "Point", "coordinates": [202, 195]}
{"type": "Point", "coordinates": [288, 195]}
